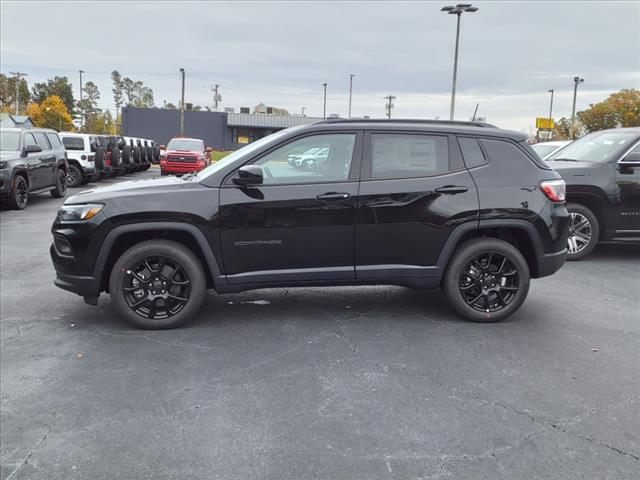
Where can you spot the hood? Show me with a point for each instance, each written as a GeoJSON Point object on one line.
{"type": "Point", "coordinates": [591, 173]}
{"type": "Point", "coordinates": [9, 155]}
{"type": "Point", "coordinates": [130, 188]}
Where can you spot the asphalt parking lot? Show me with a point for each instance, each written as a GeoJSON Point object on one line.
{"type": "Point", "coordinates": [332, 383]}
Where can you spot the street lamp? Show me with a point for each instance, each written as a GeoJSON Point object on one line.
{"type": "Point", "coordinates": [576, 81]}
{"type": "Point", "coordinates": [458, 10]}
{"type": "Point", "coordinates": [47, 109]}
{"type": "Point", "coordinates": [324, 102]}
{"type": "Point", "coordinates": [350, 91]}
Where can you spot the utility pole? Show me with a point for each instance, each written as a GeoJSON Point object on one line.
{"type": "Point", "coordinates": [303, 109]}
{"type": "Point", "coordinates": [18, 75]}
{"type": "Point", "coordinates": [389, 104]}
{"type": "Point", "coordinates": [350, 91]}
{"type": "Point", "coordinates": [216, 97]}
{"type": "Point", "coordinates": [551, 90]}
{"type": "Point", "coordinates": [576, 81]}
{"type": "Point", "coordinates": [182, 106]}
{"type": "Point", "coordinates": [81, 106]}
{"type": "Point", "coordinates": [324, 102]}
{"type": "Point", "coordinates": [457, 10]}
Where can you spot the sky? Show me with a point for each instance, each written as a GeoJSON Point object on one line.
{"type": "Point", "coordinates": [280, 53]}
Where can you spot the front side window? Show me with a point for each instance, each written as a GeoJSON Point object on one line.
{"type": "Point", "coordinates": [408, 156]}
{"type": "Point", "coordinates": [330, 160]}
{"type": "Point", "coordinates": [29, 140]}
{"type": "Point", "coordinates": [41, 139]}
{"type": "Point", "coordinates": [596, 147]}
{"type": "Point", "coordinates": [73, 143]}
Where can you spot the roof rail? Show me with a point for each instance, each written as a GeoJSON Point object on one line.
{"type": "Point", "coordinates": [407, 120]}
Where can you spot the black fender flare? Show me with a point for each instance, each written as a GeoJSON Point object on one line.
{"type": "Point", "coordinates": [24, 172]}
{"type": "Point", "coordinates": [195, 232]}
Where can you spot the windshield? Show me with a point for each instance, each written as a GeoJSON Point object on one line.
{"type": "Point", "coordinates": [543, 150]}
{"type": "Point", "coordinates": [244, 151]}
{"type": "Point", "coordinates": [10, 141]}
{"type": "Point", "coordinates": [186, 145]}
{"type": "Point", "coordinates": [596, 147]}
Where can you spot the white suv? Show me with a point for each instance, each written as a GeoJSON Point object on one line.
{"type": "Point", "coordinates": [82, 168]}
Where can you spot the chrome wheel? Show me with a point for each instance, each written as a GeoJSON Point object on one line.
{"type": "Point", "coordinates": [489, 282]}
{"type": "Point", "coordinates": [156, 287]}
{"type": "Point", "coordinates": [580, 233]}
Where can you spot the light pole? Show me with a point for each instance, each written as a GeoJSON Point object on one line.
{"type": "Point", "coordinates": [389, 104]}
{"type": "Point", "coordinates": [324, 101]}
{"type": "Point", "coordinates": [576, 81]}
{"type": "Point", "coordinates": [303, 109]}
{"type": "Point", "coordinates": [350, 91]}
{"type": "Point", "coordinates": [551, 90]}
{"type": "Point", "coordinates": [81, 105]}
{"type": "Point", "coordinates": [182, 106]}
{"type": "Point", "coordinates": [457, 10]}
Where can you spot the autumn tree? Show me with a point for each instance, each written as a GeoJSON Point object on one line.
{"type": "Point", "coordinates": [101, 122]}
{"type": "Point", "coordinates": [51, 113]}
{"type": "Point", "coordinates": [8, 94]}
{"type": "Point", "coordinates": [621, 109]}
{"type": "Point", "coordinates": [58, 86]}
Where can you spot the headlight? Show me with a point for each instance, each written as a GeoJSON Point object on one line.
{"type": "Point", "coordinates": [79, 212]}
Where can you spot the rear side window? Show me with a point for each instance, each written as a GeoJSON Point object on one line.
{"type": "Point", "coordinates": [408, 156]}
{"type": "Point", "coordinates": [54, 140]}
{"type": "Point", "coordinates": [506, 150]}
{"type": "Point", "coordinates": [41, 139]}
{"type": "Point", "coordinates": [73, 143]}
{"type": "Point", "coordinates": [471, 151]}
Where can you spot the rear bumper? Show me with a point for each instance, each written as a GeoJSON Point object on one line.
{"type": "Point", "coordinates": [550, 263]}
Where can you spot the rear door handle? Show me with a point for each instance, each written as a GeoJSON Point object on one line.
{"type": "Point", "coordinates": [333, 197]}
{"type": "Point", "coordinates": [452, 189]}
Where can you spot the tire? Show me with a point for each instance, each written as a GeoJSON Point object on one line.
{"type": "Point", "coordinates": [116, 158]}
{"type": "Point", "coordinates": [175, 254]}
{"type": "Point", "coordinates": [584, 230]}
{"type": "Point", "coordinates": [87, 179]}
{"type": "Point", "coordinates": [19, 196]}
{"type": "Point", "coordinates": [126, 155]}
{"type": "Point", "coordinates": [162, 173]}
{"type": "Point", "coordinates": [60, 189]}
{"type": "Point", "coordinates": [74, 176]}
{"type": "Point", "coordinates": [99, 158]}
{"type": "Point", "coordinates": [482, 278]}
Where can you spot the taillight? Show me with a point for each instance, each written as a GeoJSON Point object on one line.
{"type": "Point", "coordinates": [554, 189]}
{"type": "Point", "coordinates": [90, 158]}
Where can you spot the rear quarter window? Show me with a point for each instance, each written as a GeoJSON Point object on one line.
{"type": "Point", "coordinates": [73, 143]}
{"type": "Point", "coordinates": [471, 151]}
{"type": "Point", "coordinates": [507, 150]}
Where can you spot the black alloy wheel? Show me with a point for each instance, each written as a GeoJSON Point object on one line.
{"type": "Point", "coordinates": [489, 282]}
{"type": "Point", "coordinates": [74, 176]}
{"type": "Point", "coordinates": [156, 288]}
{"type": "Point", "coordinates": [20, 195]}
{"type": "Point", "coordinates": [60, 189]}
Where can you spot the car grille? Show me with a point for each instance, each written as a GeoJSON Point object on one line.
{"type": "Point", "coordinates": [182, 158]}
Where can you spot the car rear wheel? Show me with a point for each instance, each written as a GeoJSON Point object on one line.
{"type": "Point", "coordinates": [60, 189]}
{"type": "Point", "coordinates": [486, 280]}
{"type": "Point", "coordinates": [74, 176]}
{"type": "Point", "coordinates": [19, 196]}
{"type": "Point", "coordinates": [157, 284]}
{"type": "Point", "coordinates": [584, 230]}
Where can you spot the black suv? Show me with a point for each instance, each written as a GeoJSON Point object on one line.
{"type": "Point", "coordinates": [602, 172]}
{"type": "Point", "coordinates": [464, 206]}
{"type": "Point", "coordinates": [31, 161]}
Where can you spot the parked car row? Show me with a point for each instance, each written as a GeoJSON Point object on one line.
{"type": "Point", "coordinates": [92, 157]}
{"type": "Point", "coordinates": [38, 160]}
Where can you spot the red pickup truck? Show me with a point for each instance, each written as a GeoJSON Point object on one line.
{"type": "Point", "coordinates": [184, 155]}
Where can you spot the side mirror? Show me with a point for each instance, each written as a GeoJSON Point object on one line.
{"type": "Point", "coordinates": [249, 175]}
{"type": "Point", "coordinates": [208, 149]}
{"type": "Point", "coordinates": [32, 149]}
{"type": "Point", "coordinates": [163, 147]}
{"type": "Point", "coordinates": [631, 160]}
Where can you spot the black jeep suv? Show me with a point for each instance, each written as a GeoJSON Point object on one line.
{"type": "Point", "coordinates": [602, 172]}
{"type": "Point", "coordinates": [467, 207]}
{"type": "Point", "coordinates": [31, 161]}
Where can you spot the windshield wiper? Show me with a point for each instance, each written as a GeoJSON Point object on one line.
{"type": "Point", "coordinates": [189, 176]}
{"type": "Point", "coordinates": [563, 160]}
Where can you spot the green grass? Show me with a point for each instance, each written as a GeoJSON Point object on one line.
{"type": "Point", "coordinates": [219, 155]}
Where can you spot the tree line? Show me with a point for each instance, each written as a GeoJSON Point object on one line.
{"type": "Point", "coordinates": [51, 104]}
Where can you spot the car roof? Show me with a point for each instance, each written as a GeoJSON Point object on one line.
{"type": "Point", "coordinates": [187, 138]}
{"type": "Point", "coordinates": [435, 126]}
{"type": "Point", "coordinates": [554, 143]}
{"type": "Point", "coordinates": [34, 129]}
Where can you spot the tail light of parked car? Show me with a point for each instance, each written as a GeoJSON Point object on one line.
{"type": "Point", "coordinates": [554, 189]}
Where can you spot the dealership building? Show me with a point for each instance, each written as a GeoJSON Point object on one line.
{"type": "Point", "coordinates": [220, 130]}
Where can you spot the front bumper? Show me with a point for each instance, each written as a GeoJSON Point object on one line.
{"type": "Point", "coordinates": [181, 167]}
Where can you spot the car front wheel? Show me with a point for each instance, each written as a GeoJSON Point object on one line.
{"type": "Point", "coordinates": [486, 280]}
{"type": "Point", "coordinates": [19, 196]}
{"type": "Point", "coordinates": [157, 284]}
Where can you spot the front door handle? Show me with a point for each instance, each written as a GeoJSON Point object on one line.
{"type": "Point", "coordinates": [453, 189]}
{"type": "Point", "coordinates": [333, 197]}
